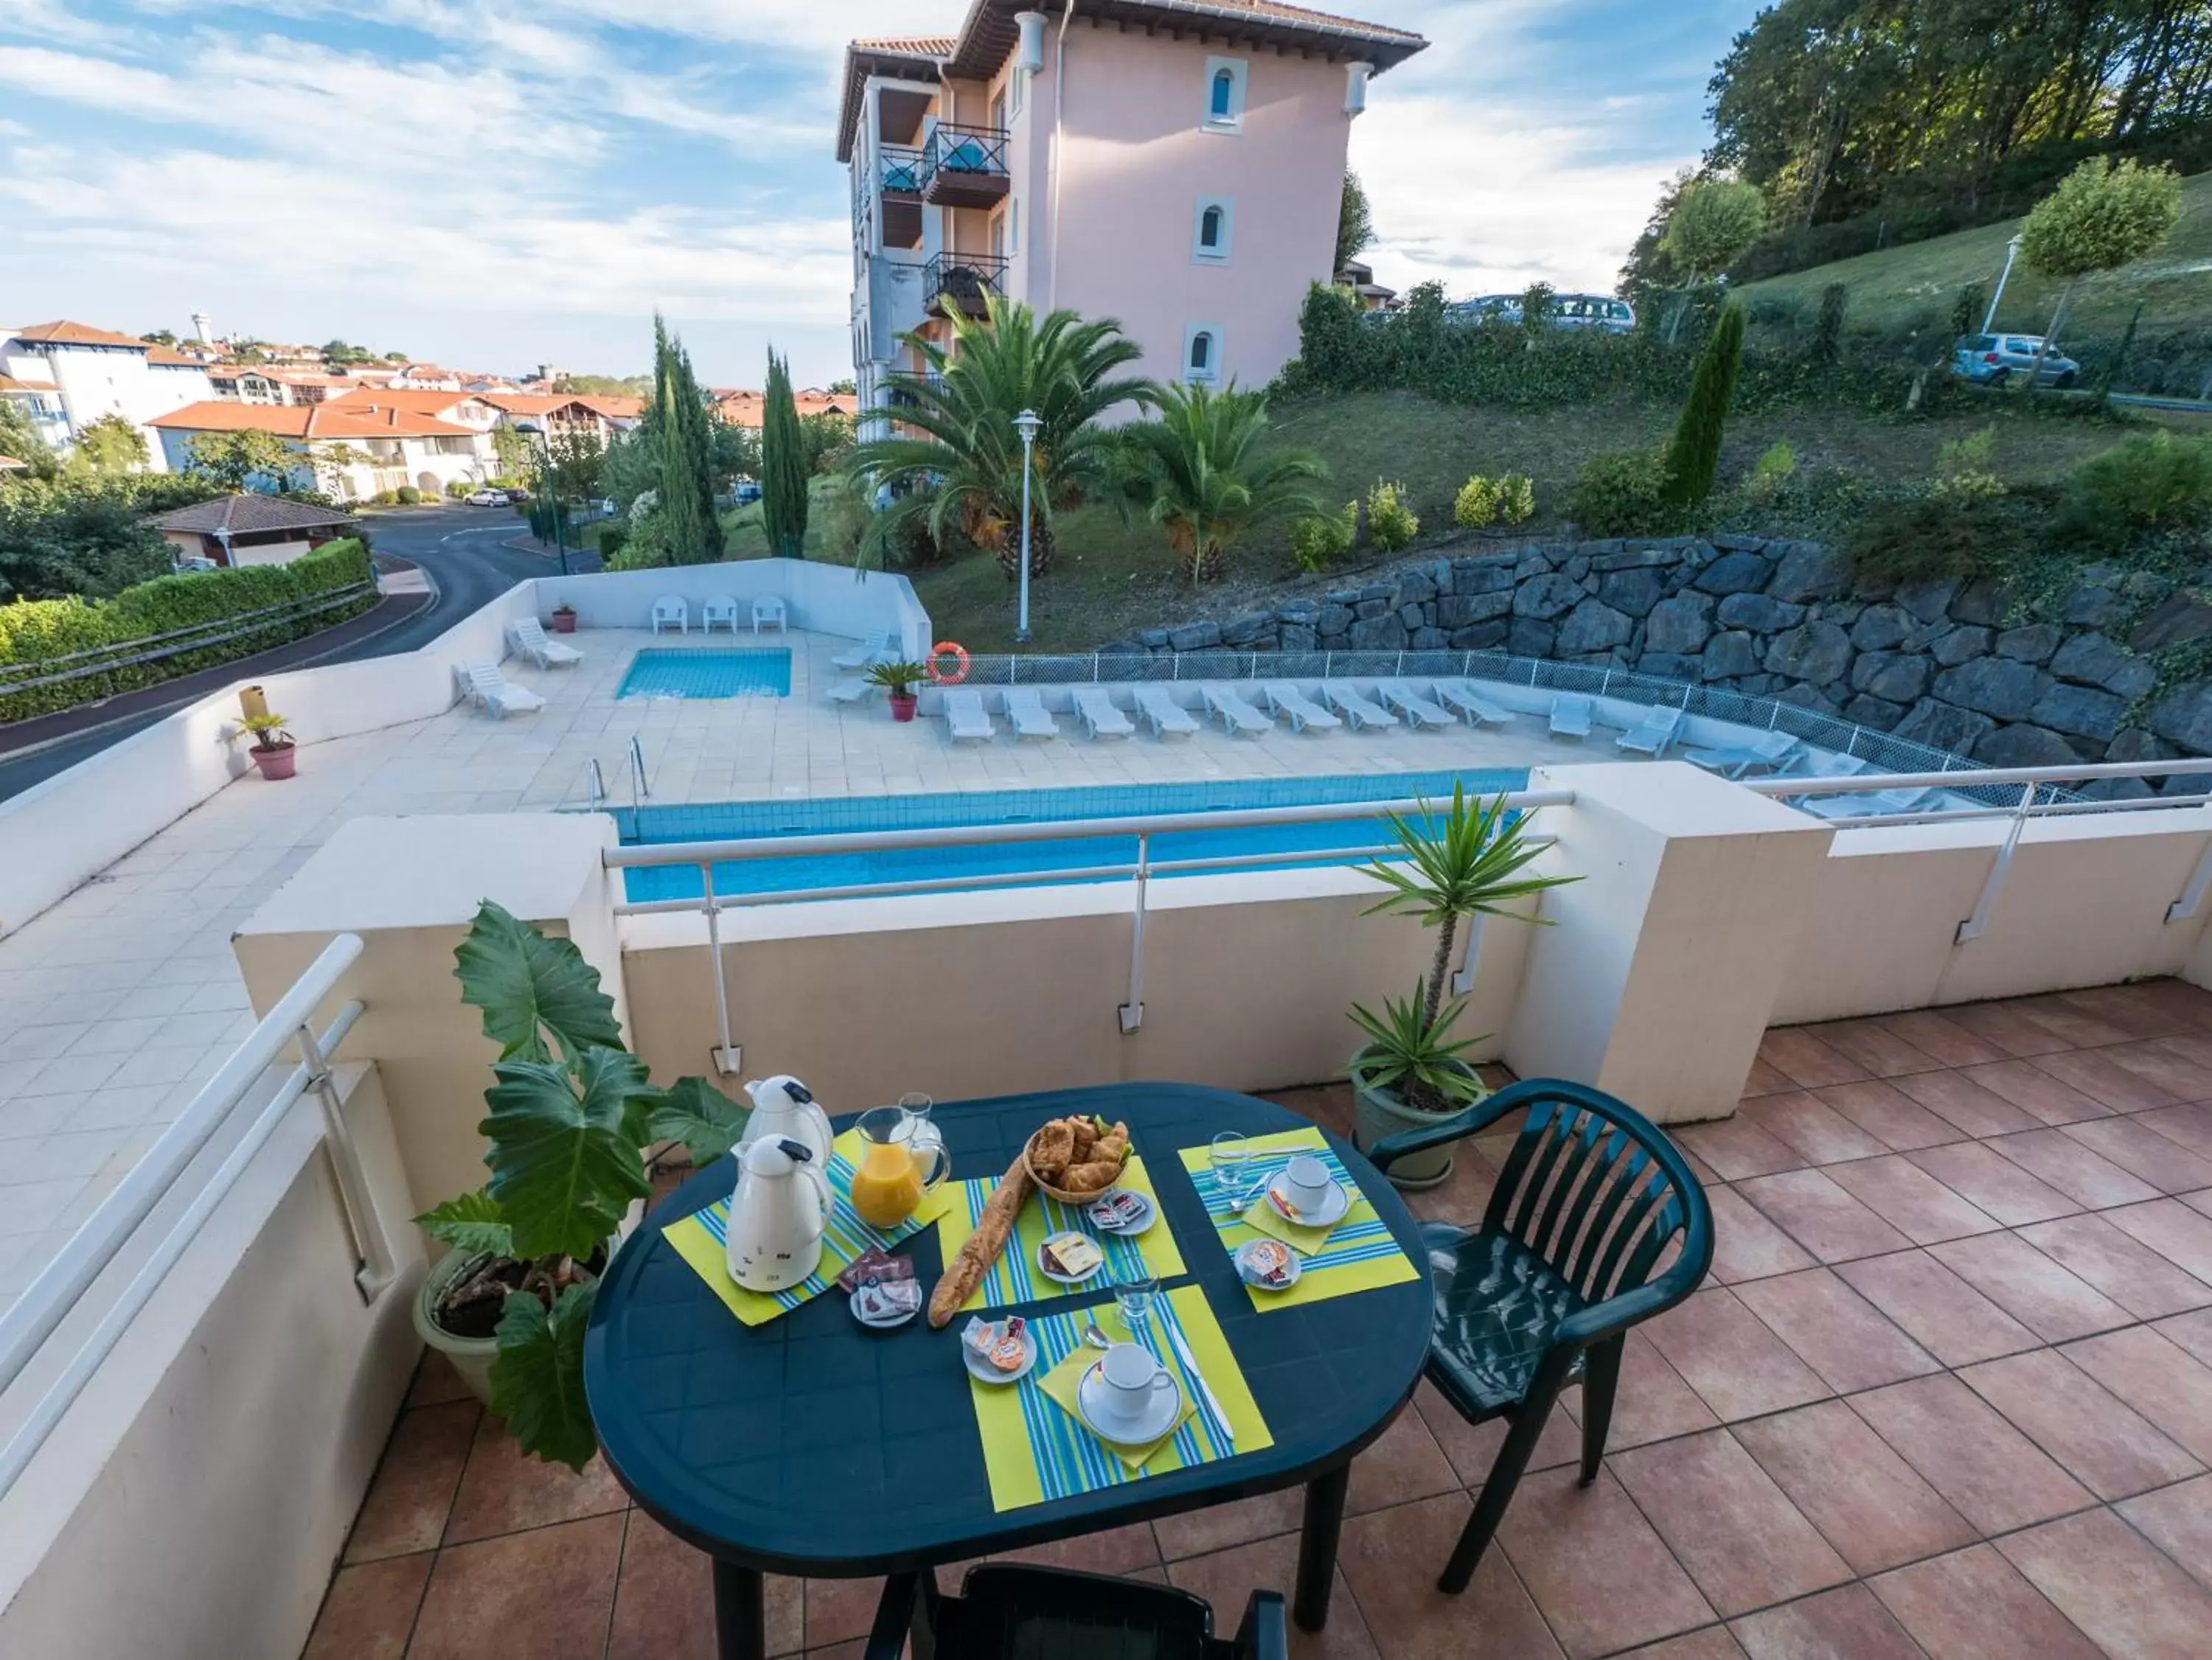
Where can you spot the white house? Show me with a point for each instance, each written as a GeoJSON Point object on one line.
{"type": "Point", "coordinates": [351, 449]}
{"type": "Point", "coordinates": [90, 372]}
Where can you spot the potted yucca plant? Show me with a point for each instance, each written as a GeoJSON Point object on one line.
{"type": "Point", "coordinates": [1446, 865]}
{"type": "Point", "coordinates": [899, 679]}
{"type": "Point", "coordinates": [272, 749]}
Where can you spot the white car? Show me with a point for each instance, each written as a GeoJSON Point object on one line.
{"type": "Point", "coordinates": [487, 498]}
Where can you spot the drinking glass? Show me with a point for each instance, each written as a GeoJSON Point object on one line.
{"type": "Point", "coordinates": [1133, 1297]}
{"type": "Point", "coordinates": [1232, 1168]}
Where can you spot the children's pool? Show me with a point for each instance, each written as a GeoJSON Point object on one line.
{"type": "Point", "coordinates": [655, 673]}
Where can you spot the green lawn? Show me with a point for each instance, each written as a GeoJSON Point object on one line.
{"type": "Point", "coordinates": [1916, 283]}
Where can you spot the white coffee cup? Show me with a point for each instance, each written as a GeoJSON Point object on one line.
{"type": "Point", "coordinates": [1307, 1184]}
{"type": "Point", "coordinates": [1131, 1374]}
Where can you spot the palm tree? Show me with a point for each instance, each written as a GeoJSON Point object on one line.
{"type": "Point", "coordinates": [1202, 475]}
{"type": "Point", "coordinates": [960, 458]}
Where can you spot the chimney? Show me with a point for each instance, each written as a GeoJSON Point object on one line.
{"type": "Point", "coordinates": [1355, 86]}
{"type": "Point", "coordinates": [1029, 54]}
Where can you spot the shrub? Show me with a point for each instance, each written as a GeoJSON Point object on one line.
{"type": "Point", "coordinates": [1693, 455]}
{"type": "Point", "coordinates": [1391, 524]}
{"type": "Point", "coordinates": [408, 496]}
{"type": "Point", "coordinates": [458, 488]}
{"type": "Point", "coordinates": [1963, 467]}
{"type": "Point", "coordinates": [1945, 536]}
{"type": "Point", "coordinates": [2147, 483]}
{"type": "Point", "coordinates": [1771, 473]}
{"type": "Point", "coordinates": [1475, 507]}
{"type": "Point", "coordinates": [612, 535]}
{"type": "Point", "coordinates": [1318, 543]}
{"type": "Point", "coordinates": [1828, 328]}
{"type": "Point", "coordinates": [1515, 496]}
{"type": "Point", "coordinates": [1622, 493]}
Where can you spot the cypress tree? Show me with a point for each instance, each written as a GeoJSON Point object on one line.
{"type": "Point", "coordinates": [678, 422]}
{"type": "Point", "coordinates": [1693, 454]}
{"type": "Point", "coordinates": [783, 466]}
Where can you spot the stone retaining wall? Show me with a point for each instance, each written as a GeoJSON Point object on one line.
{"type": "Point", "coordinates": [1932, 662]}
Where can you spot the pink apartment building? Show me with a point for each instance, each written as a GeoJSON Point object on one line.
{"type": "Point", "coordinates": [1176, 164]}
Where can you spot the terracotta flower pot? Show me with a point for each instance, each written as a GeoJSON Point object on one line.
{"type": "Point", "coordinates": [902, 708]}
{"type": "Point", "coordinates": [564, 622]}
{"type": "Point", "coordinates": [276, 761]}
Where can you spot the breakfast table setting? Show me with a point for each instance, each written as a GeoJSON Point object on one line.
{"type": "Point", "coordinates": [932, 1332]}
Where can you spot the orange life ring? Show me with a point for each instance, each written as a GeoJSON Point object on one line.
{"type": "Point", "coordinates": [958, 652]}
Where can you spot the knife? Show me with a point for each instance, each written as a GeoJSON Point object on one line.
{"type": "Point", "coordinates": [1213, 1406]}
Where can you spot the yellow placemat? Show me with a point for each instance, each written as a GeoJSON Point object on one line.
{"type": "Point", "coordinates": [702, 1240]}
{"type": "Point", "coordinates": [1359, 1253]}
{"type": "Point", "coordinates": [1036, 1449]}
{"type": "Point", "coordinates": [1062, 1382]}
{"type": "Point", "coordinates": [1015, 1278]}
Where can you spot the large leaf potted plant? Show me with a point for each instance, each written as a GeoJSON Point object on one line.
{"type": "Point", "coordinates": [571, 1112]}
{"type": "Point", "coordinates": [899, 679]}
{"type": "Point", "coordinates": [1445, 866]}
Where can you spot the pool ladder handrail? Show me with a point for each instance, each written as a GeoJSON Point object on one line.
{"type": "Point", "coordinates": [640, 790]}
{"type": "Point", "coordinates": [595, 786]}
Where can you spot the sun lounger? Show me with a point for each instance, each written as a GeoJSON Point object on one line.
{"type": "Point", "coordinates": [851, 691]}
{"type": "Point", "coordinates": [1157, 705]}
{"type": "Point", "coordinates": [1651, 735]}
{"type": "Point", "coordinates": [494, 691]}
{"type": "Point", "coordinates": [719, 608]}
{"type": "Point", "coordinates": [1736, 761]}
{"type": "Point", "coordinates": [1571, 715]}
{"type": "Point", "coordinates": [1355, 706]}
{"type": "Point", "coordinates": [1025, 706]}
{"type": "Point", "coordinates": [669, 609]}
{"type": "Point", "coordinates": [1417, 709]}
{"type": "Point", "coordinates": [531, 640]}
{"type": "Point", "coordinates": [1461, 695]}
{"type": "Point", "coordinates": [1286, 700]}
{"type": "Point", "coordinates": [1869, 805]}
{"type": "Point", "coordinates": [964, 714]}
{"type": "Point", "coordinates": [1236, 714]}
{"type": "Point", "coordinates": [877, 648]}
{"type": "Point", "coordinates": [767, 608]}
{"type": "Point", "coordinates": [1095, 708]}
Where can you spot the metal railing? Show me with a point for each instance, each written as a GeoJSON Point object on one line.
{"type": "Point", "coordinates": [1138, 871]}
{"type": "Point", "coordinates": [41, 1310]}
{"type": "Point", "coordinates": [967, 279]}
{"type": "Point", "coordinates": [903, 169]}
{"type": "Point", "coordinates": [950, 148]}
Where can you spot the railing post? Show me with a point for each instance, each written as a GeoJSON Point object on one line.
{"type": "Point", "coordinates": [2192, 895]}
{"type": "Point", "coordinates": [1977, 924]}
{"type": "Point", "coordinates": [377, 1269]}
{"type": "Point", "coordinates": [1133, 1012]}
{"type": "Point", "coordinates": [729, 1057]}
{"type": "Point", "coordinates": [1462, 981]}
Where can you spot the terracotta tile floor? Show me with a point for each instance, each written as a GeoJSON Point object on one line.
{"type": "Point", "coordinates": [1948, 1395]}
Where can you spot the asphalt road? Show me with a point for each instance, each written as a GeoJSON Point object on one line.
{"type": "Point", "coordinates": [458, 547]}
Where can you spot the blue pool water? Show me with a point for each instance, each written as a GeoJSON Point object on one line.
{"type": "Point", "coordinates": [843, 815]}
{"type": "Point", "coordinates": [678, 674]}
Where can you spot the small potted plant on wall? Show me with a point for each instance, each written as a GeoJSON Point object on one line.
{"type": "Point", "coordinates": [273, 750]}
{"type": "Point", "coordinates": [899, 679]}
{"type": "Point", "coordinates": [571, 1110]}
{"type": "Point", "coordinates": [1447, 866]}
{"type": "Point", "coordinates": [564, 618]}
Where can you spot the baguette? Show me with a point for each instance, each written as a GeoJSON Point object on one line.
{"type": "Point", "coordinates": [974, 1259]}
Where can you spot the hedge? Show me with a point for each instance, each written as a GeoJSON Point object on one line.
{"type": "Point", "coordinates": [34, 634]}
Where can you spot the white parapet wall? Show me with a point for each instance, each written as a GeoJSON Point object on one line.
{"type": "Point", "coordinates": [824, 599]}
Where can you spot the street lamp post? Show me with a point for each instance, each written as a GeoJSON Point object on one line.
{"type": "Point", "coordinates": [2012, 252]}
{"type": "Point", "coordinates": [545, 447]}
{"type": "Point", "coordinates": [1026, 423]}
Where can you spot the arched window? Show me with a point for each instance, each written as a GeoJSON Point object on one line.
{"type": "Point", "coordinates": [1201, 353]}
{"type": "Point", "coordinates": [1209, 229]}
{"type": "Point", "coordinates": [1225, 94]}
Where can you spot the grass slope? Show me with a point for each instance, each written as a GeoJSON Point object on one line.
{"type": "Point", "coordinates": [1899, 288]}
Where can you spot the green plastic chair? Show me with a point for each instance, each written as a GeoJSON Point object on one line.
{"type": "Point", "coordinates": [1008, 1611]}
{"type": "Point", "coordinates": [1543, 1292]}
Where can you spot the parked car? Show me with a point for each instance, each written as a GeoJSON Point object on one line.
{"type": "Point", "coordinates": [745, 490]}
{"type": "Point", "coordinates": [486, 498]}
{"type": "Point", "coordinates": [1569, 310]}
{"type": "Point", "coordinates": [517, 496]}
{"type": "Point", "coordinates": [186, 567]}
{"type": "Point", "coordinates": [1992, 359]}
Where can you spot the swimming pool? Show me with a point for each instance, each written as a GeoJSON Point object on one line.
{"type": "Point", "coordinates": [844, 814]}
{"type": "Point", "coordinates": [681, 673]}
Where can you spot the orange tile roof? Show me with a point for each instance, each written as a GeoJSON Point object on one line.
{"type": "Point", "coordinates": [337, 419]}
{"type": "Point", "coordinates": [10, 464]}
{"type": "Point", "coordinates": [743, 406]}
{"type": "Point", "coordinates": [612, 406]}
{"type": "Point", "coordinates": [168, 357]}
{"type": "Point", "coordinates": [75, 334]}
{"type": "Point", "coordinates": [911, 45]}
{"type": "Point", "coordinates": [10, 383]}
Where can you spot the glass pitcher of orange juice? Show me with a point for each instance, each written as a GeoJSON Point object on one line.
{"type": "Point", "coordinates": [902, 1158]}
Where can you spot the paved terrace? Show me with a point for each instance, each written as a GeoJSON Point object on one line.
{"type": "Point", "coordinates": [1947, 1394]}
{"type": "Point", "coordinates": [117, 1003]}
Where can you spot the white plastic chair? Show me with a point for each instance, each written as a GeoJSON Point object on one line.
{"type": "Point", "coordinates": [1236, 714]}
{"type": "Point", "coordinates": [851, 691]}
{"type": "Point", "coordinates": [718, 608]}
{"type": "Point", "coordinates": [530, 640]}
{"type": "Point", "coordinates": [1095, 708]}
{"type": "Point", "coordinates": [1460, 694]}
{"type": "Point", "coordinates": [966, 716]}
{"type": "Point", "coordinates": [501, 695]}
{"type": "Point", "coordinates": [1571, 715]}
{"type": "Point", "coordinates": [1157, 706]}
{"type": "Point", "coordinates": [1026, 708]}
{"type": "Point", "coordinates": [1355, 706]}
{"type": "Point", "coordinates": [1651, 735]}
{"type": "Point", "coordinates": [668, 609]}
{"type": "Point", "coordinates": [1417, 709]}
{"type": "Point", "coordinates": [877, 648]}
{"type": "Point", "coordinates": [1736, 761]}
{"type": "Point", "coordinates": [1303, 712]}
{"type": "Point", "coordinates": [767, 608]}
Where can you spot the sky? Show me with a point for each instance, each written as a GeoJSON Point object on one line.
{"type": "Point", "coordinates": [494, 184]}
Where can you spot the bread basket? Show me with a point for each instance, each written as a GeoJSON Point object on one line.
{"type": "Point", "coordinates": [1064, 1195]}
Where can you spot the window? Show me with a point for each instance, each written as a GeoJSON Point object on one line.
{"type": "Point", "coordinates": [1213, 224]}
{"type": "Point", "coordinates": [1225, 94]}
{"type": "Point", "coordinates": [1201, 352]}
{"type": "Point", "coordinates": [1014, 225]}
{"type": "Point", "coordinates": [1017, 90]}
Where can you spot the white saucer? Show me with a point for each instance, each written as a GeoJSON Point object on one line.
{"type": "Point", "coordinates": [1162, 1408]}
{"type": "Point", "coordinates": [895, 1320]}
{"type": "Point", "coordinates": [1068, 1279]}
{"type": "Point", "coordinates": [1298, 1267]}
{"type": "Point", "coordinates": [1142, 1225]}
{"type": "Point", "coordinates": [1330, 1213]}
{"type": "Point", "coordinates": [984, 1372]}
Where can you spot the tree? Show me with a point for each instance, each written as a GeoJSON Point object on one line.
{"type": "Point", "coordinates": [514, 453]}
{"type": "Point", "coordinates": [732, 451]}
{"type": "Point", "coordinates": [842, 386]}
{"type": "Point", "coordinates": [1693, 454]}
{"type": "Point", "coordinates": [329, 460]}
{"type": "Point", "coordinates": [1714, 221]}
{"type": "Point", "coordinates": [957, 464]}
{"type": "Point", "coordinates": [784, 465]}
{"type": "Point", "coordinates": [159, 337]}
{"type": "Point", "coordinates": [1355, 222]}
{"type": "Point", "coordinates": [1203, 473]}
{"type": "Point", "coordinates": [689, 531]}
{"type": "Point", "coordinates": [19, 441]}
{"type": "Point", "coordinates": [2100, 218]}
{"type": "Point", "coordinates": [233, 460]}
{"type": "Point", "coordinates": [110, 445]}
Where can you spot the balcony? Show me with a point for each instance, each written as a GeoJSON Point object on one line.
{"type": "Point", "coordinates": [899, 385]}
{"type": "Point", "coordinates": [964, 167]}
{"type": "Point", "coordinates": [902, 169]}
{"type": "Point", "coordinates": [962, 282]}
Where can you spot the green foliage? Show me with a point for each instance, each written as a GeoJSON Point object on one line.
{"type": "Point", "coordinates": [2146, 483]}
{"type": "Point", "coordinates": [1771, 473]}
{"type": "Point", "coordinates": [1391, 522]}
{"type": "Point", "coordinates": [517, 454]}
{"type": "Point", "coordinates": [110, 445]}
{"type": "Point", "coordinates": [541, 1000]}
{"type": "Point", "coordinates": [897, 678]}
{"type": "Point", "coordinates": [1620, 493]}
{"type": "Point", "coordinates": [563, 1161]}
{"type": "Point", "coordinates": [1536, 307]}
{"type": "Point", "coordinates": [785, 465]}
{"type": "Point", "coordinates": [1204, 473]}
{"type": "Point", "coordinates": [2101, 217]}
{"type": "Point", "coordinates": [267, 731]}
{"type": "Point", "coordinates": [695, 1113]}
{"type": "Point", "coordinates": [690, 532]}
{"type": "Point", "coordinates": [235, 461]}
{"type": "Point", "coordinates": [1827, 344]}
{"type": "Point", "coordinates": [76, 532]}
{"type": "Point", "coordinates": [408, 496]}
{"type": "Point", "coordinates": [1318, 542]}
{"type": "Point", "coordinates": [538, 1376]}
{"type": "Point", "coordinates": [1928, 535]}
{"type": "Point", "coordinates": [828, 436]}
{"type": "Point", "coordinates": [1693, 455]}
{"type": "Point", "coordinates": [2113, 364]}
{"type": "Point", "coordinates": [1965, 467]}
{"type": "Point", "coordinates": [1714, 221]}
{"type": "Point", "coordinates": [1355, 222]}
{"type": "Point", "coordinates": [19, 441]}
{"type": "Point", "coordinates": [35, 632]}
{"type": "Point", "coordinates": [472, 1223]}
{"type": "Point", "coordinates": [458, 488]}
{"type": "Point", "coordinates": [1510, 499]}
{"type": "Point", "coordinates": [1414, 1056]}
{"type": "Point", "coordinates": [1967, 306]}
